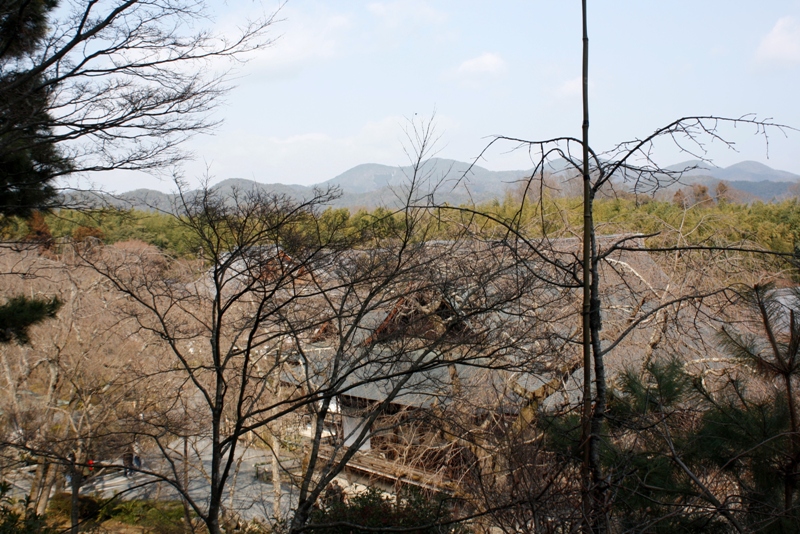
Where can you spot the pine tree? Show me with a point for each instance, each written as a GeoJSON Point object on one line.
{"type": "Point", "coordinates": [758, 437]}
{"type": "Point", "coordinates": [29, 158]}
{"type": "Point", "coordinates": [19, 314]}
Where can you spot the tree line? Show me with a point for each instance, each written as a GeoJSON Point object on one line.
{"type": "Point", "coordinates": [772, 226]}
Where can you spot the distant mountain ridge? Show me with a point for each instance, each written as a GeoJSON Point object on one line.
{"type": "Point", "coordinates": [749, 180]}
{"type": "Point", "coordinates": [745, 171]}
{"type": "Point", "coordinates": [452, 173]}
{"type": "Point", "coordinates": [371, 184]}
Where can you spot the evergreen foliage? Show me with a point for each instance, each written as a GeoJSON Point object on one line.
{"type": "Point", "coordinates": [29, 158]}
{"type": "Point", "coordinates": [755, 437]}
{"type": "Point", "coordinates": [23, 24]}
{"type": "Point", "coordinates": [671, 438]}
{"type": "Point", "coordinates": [14, 521]}
{"type": "Point", "coordinates": [370, 511]}
{"type": "Point", "coordinates": [649, 413]}
{"type": "Point", "coordinates": [747, 438]}
{"type": "Point", "coordinates": [20, 313]}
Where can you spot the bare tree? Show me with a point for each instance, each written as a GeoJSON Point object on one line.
{"type": "Point", "coordinates": [98, 86]}
{"type": "Point", "coordinates": [66, 390]}
{"type": "Point", "coordinates": [628, 167]}
{"type": "Point", "coordinates": [109, 84]}
{"type": "Point", "coordinates": [287, 322]}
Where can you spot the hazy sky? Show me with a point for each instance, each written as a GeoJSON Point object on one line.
{"type": "Point", "coordinates": [343, 77]}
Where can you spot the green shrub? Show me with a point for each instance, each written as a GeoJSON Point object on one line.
{"type": "Point", "coordinates": [14, 521]}
{"type": "Point", "coordinates": [158, 517]}
{"type": "Point", "coordinates": [161, 517]}
{"type": "Point", "coordinates": [88, 507]}
{"type": "Point", "coordinates": [411, 510]}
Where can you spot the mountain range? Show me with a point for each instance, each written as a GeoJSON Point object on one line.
{"type": "Point", "coordinates": [749, 180]}
{"type": "Point", "coordinates": [370, 185]}
{"type": "Point", "coordinates": [746, 171]}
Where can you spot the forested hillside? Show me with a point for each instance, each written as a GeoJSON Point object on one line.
{"type": "Point", "coordinates": [774, 226]}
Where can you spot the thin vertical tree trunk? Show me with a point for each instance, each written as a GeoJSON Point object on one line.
{"type": "Point", "coordinates": [187, 513]}
{"type": "Point", "coordinates": [586, 479]}
{"type": "Point", "coordinates": [593, 491]}
{"type": "Point", "coordinates": [76, 479]}
{"type": "Point", "coordinates": [276, 475]}
{"type": "Point", "coordinates": [794, 461]}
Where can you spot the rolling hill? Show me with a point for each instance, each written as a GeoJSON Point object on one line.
{"type": "Point", "coordinates": [370, 185]}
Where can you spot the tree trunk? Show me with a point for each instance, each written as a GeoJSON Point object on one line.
{"type": "Point", "coordinates": [187, 512]}
{"type": "Point", "coordinates": [599, 485]}
{"type": "Point", "coordinates": [586, 416]}
{"type": "Point", "coordinates": [276, 475]}
{"type": "Point", "coordinates": [47, 485]}
{"type": "Point", "coordinates": [794, 461]}
{"type": "Point", "coordinates": [76, 476]}
{"type": "Point", "coordinates": [593, 493]}
{"type": "Point", "coordinates": [37, 482]}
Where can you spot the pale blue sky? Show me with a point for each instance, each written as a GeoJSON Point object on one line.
{"type": "Point", "coordinates": [336, 87]}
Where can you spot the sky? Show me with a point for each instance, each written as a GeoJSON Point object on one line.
{"type": "Point", "coordinates": [343, 79]}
